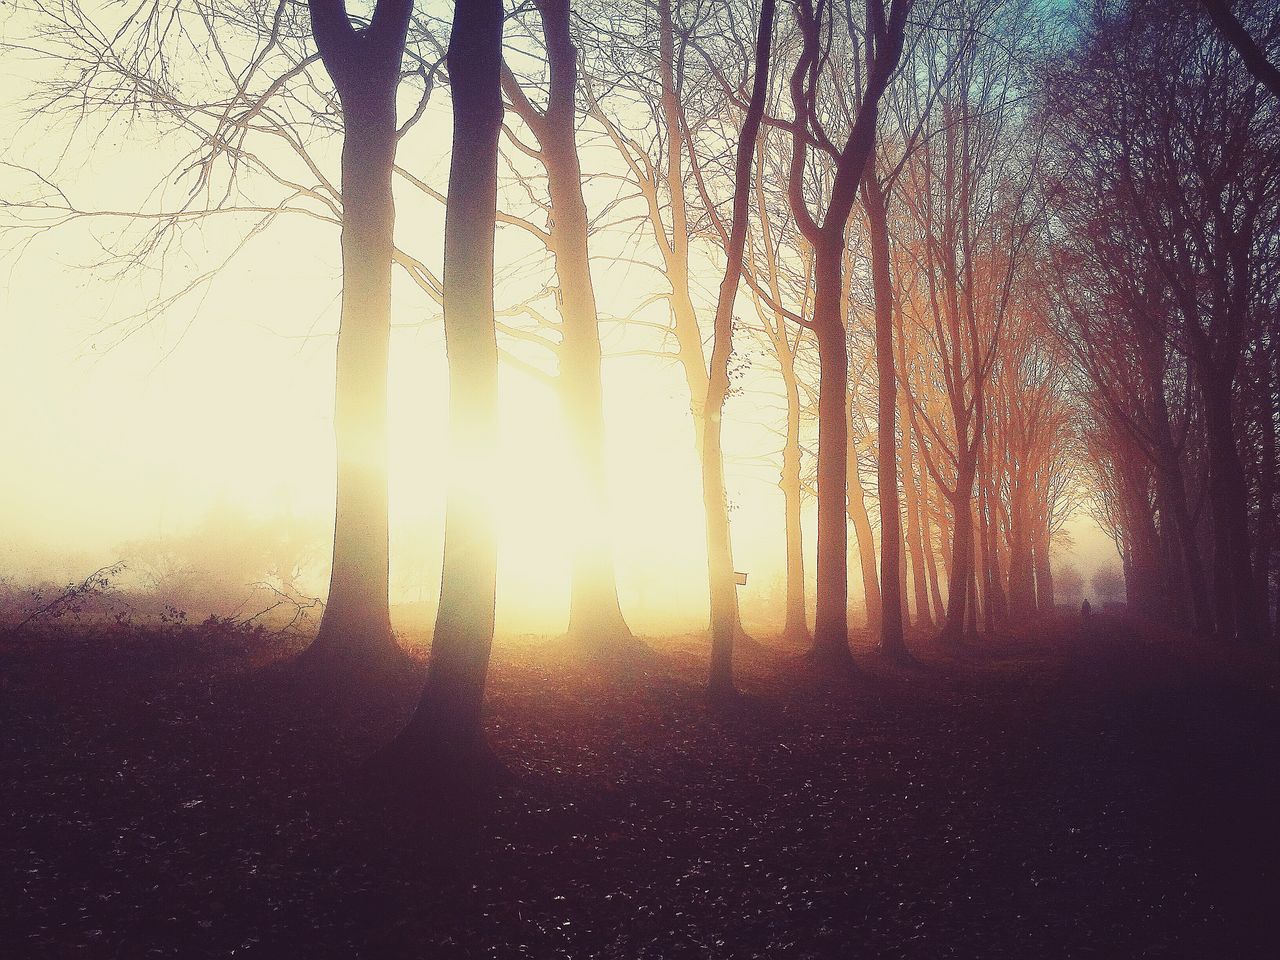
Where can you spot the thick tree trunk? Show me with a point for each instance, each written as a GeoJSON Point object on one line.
{"type": "Point", "coordinates": [1189, 544]}
{"type": "Point", "coordinates": [355, 631]}
{"type": "Point", "coordinates": [723, 591]}
{"type": "Point", "coordinates": [831, 622]}
{"type": "Point", "coordinates": [991, 571]}
{"type": "Point", "coordinates": [1235, 605]}
{"type": "Point", "coordinates": [1041, 545]}
{"type": "Point", "coordinates": [1171, 488]}
{"type": "Point", "coordinates": [1266, 496]}
{"type": "Point", "coordinates": [946, 537]}
{"type": "Point", "coordinates": [985, 571]}
{"type": "Point", "coordinates": [595, 617]}
{"type": "Point", "coordinates": [447, 721]}
{"type": "Point", "coordinates": [972, 609]}
{"type": "Point", "coordinates": [357, 622]}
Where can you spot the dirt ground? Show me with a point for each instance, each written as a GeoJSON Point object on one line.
{"type": "Point", "coordinates": [1062, 796]}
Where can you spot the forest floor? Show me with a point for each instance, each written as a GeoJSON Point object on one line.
{"type": "Point", "coordinates": [1059, 796]}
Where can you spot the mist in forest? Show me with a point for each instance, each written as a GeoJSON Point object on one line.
{"type": "Point", "coordinates": [584, 478]}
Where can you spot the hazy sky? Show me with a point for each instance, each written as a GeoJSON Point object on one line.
{"type": "Point", "coordinates": [226, 397]}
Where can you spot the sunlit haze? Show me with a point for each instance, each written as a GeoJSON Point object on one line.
{"type": "Point", "coordinates": [130, 423]}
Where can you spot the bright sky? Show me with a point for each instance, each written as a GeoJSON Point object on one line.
{"type": "Point", "coordinates": [226, 399]}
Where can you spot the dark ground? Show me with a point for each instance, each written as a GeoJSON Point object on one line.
{"type": "Point", "coordinates": [1073, 798]}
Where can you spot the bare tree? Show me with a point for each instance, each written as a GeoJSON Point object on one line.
{"type": "Point", "coordinates": [719, 552]}
{"type": "Point", "coordinates": [882, 47]}
{"type": "Point", "coordinates": [365, 67]}
{"type": "Point", "coordinates": [971, 192]}
{"type": "Point", "coordinates": [1251, 51]}
{"type": "Point", "coordinates": [446, 725]}
{"type": "Point", "coordinates": [595, 618]}
{"type": "Point", "coordinates": [1198, 178]}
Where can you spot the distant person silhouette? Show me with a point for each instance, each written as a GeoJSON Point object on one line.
{"type": "Point", "coordinates": [1085, 610]}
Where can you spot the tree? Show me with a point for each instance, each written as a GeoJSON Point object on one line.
{"type": "Point", "coordinates": [658, 170]}
{"type": "Point", "coordinates": [719, 552]}
{"type": "Point", "coordinates": [891, 599]}
{"type": "Point", "coordinates": [1197, 174]}
{"type": "Point", "coordinates": [970, 191]}
{"type": "Point", "coordinates": [446, 725]}
{"type": "Point", "coordinates": [595, 619]}
{"type": "Point", "coordinates": [249, 131]}
{"type": "Point", "coordinates": [1251, 52]}
{"type": "Point", "coordinates": [786, 346]}
{"type": "Point", "coordinates": [365, 67]}
{"type": "Point", "coordinates": [825, 232]}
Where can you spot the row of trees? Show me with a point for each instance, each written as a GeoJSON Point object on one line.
{"type": "Point", "coordinates": [1166, 252]}
{"type": "Point", "coordinates": [1028, 248]}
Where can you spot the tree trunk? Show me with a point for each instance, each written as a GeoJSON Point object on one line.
{"type": "Point", "coordinates": [796, 626]}
{"type": "Point", "coordinates": [1041, 545]}
{"type": "Point", "coordinates": [930, 553]}
{"type": "Point", "coordinates": [1235, 605]}
{"type": "Point", "coordinates": [724, 604]}
{"type": "Point", "coordinates": [1022, 591]}
{"type": "Point", "coordinates": [1172, 490]}
{"type": "Point", "coordinates": [1266, 494]}
{"type": "Point", "coordinates": [946, 536]}
{"type": "Point", "coordinates": [831, 622]}
{"type": "Point", "coordinates": [797, 622]}
{"type": "Point", "coordinates": [447, 721]}
{"type": "Point", "coordinates": [684, 316]}
{"type": "Point", "coordinates": [996, 608]}
{"type": "Point", "coordinates": [1189, 542]}
{"type": "Point", "coordinates": [891, 626]}
{"type": "Point", "coordinates": [961, 572]}
{"type": "Point", "coordinates": [355, 631]}
{"type": "Point", "coordinates": [595, 618]}
{"type": "Point", "coordinates": [985, 571]}
{"type": "Point", "coordinates": [971, 612]}
{"type": "Point", "coordinates": [915, 537]}
{"type": "Point", "coordinates": [857, 508]}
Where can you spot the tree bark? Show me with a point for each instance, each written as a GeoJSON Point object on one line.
{"type": "Point", "coordinates": [1233, 582]}
{"type": "Point", "coordinates": [1041, 545]}
{"type": "Point", "coordinates": [796, 625]}
{"type": "Point", "coordinates": [1022, 590]}
{"type": "Point", "coordinates": [447, 720]}
{"type": "Point", "coordinates": [1266, 495]}
{"type": "Point", "coordinates": [883, 46]}
{"type": "Point", "coordinates": [355, 630]}
{"type": "Point", "coordinates": [831, 619]}
{"type": "Point", "coordinates": [595, 617]}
